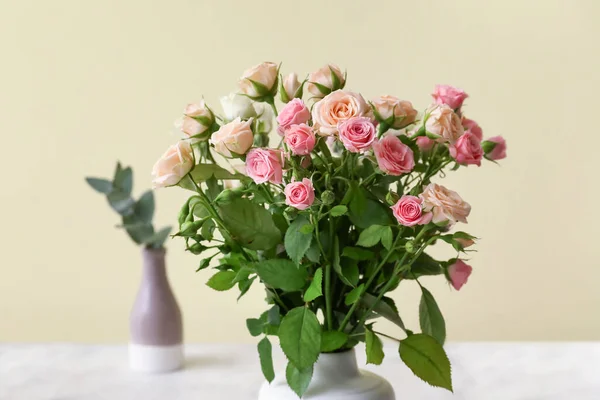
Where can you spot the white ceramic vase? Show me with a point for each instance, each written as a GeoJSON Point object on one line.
{"type": "Point", "coordinates": [335, 377]}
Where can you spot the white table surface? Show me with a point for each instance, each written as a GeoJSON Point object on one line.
{"type": "Point", "coordinates": [481, 371]}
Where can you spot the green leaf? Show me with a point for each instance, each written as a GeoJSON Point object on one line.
{"type": "Point", "coordinates": [427, 360]}
{"type": "Point", "coordinates": [222, 280]}
{"type": "Point", "coordinates": [365, 212]}
{"type": "Point", "coordinates": [296, 242]}
{"type": "Point", "coordinates": [315, 289]}
{"type": "Point", "coordinates": [121, 202]}
{"type": "Point", "coordinates": [382, 309]}
{"type": "Point", "coordinates": [208, 229]}
{"type": "Point", "coordinates": [371, 236]}
{"type": "Point", "coordinates": [265, 353]}
{"type": "Point", "coordinates": [357, 253]}
{"type": "Point", "coordinates": [204, 264]}
{"type": "Point", "coordinates": [425, 265]}
{"type": "Point", "coordinates": [274, 316]}
{"type": "Point", "coordinates": [124, 180]}
{"type": "Point", "coordinates": [306, 229]}
{"type": "Point", "coordinates": [255, 326]}
{"type": "Point", "coordinates": [431, 318]}
{"type": "Point", "coordinates": [332, 341]}
{"type": "Point", "coordinates": [282, 274]}
{"type": "Point", "coordinates": [100, 185]}
{"type": "Point", "coordinates": [250, 224]}
{"type": "Point", "coordinates": [353, 296]}
{"type": "Point", "coordinates": [300, 337]}
{"type": "Point", "coordinates": [242, 274]}
{"type": "Point", "coordinates": [314, 253]}
{"type": "Point", "coordinates": [144, 207]}
{"type": "Point", "coordinates": [338, 211]}
{"type": "Point", "coordinates": [158, 239]}
{"type": "Point", "coordinates": [350, 272]}
{"type": "Point", "coordinates": [387, 238]}
{"type": "Point", "coordinates": [203, 172]}
{"type": "Point", "coordinates": [298, 379]}
{"type": "Point", "coordinates": [374, 348]}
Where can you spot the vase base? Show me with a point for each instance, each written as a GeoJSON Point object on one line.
{"type": "Point", "coordinates": [365, 386]}
{"type": "Point", "coordinates": [155, 359]}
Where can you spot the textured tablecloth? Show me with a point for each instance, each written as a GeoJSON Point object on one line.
{"type": "Point", "coordinates": [481, 371]}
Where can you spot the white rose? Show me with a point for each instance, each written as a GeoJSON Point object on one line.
{"type": "Point", "coordinates": [265, 117]}
{"type": "Point", "coordinates": [264, 74]}
{"type": "Point", "coordinates": [237, 106]}
{"type": "Point", "coordinates": [290, 85]}
{"type": "Point", "coordinates": [173, 165]}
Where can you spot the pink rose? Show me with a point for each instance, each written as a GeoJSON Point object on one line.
{"type": "Point", "coordinates": [444, 123]}
{"type": "Point", "coordinates": [465, 242]}
{"type": "Point", "coordinates": [264, 165]}
{"type": "Point", "coordinates": [300, 194]}
{"type": "Point", "coordinates": [425, 143]}
{"type": "Point", "coordinates": [459, 273]}
{"type": "Point", "coordinates": [473, 127]}
{"type": "Point", "coordinates": [467, 150]}
{"type": "Point", "coordinates": [357, 134]}
{"type": "Point", "coordinates": [293, 113]}
{"type": "Point", "coordinates": [300, 139]}
{"type": "Point", "coordinates": [393, 156]}
{"type": "Point", "coordinates": [498, 148]}
{"type": "Point", "coordinates": [446, 205]}
{"type": "Point", "coordinates": [409, 211]}
{"type": "Point", "coordinates": [446, 94]}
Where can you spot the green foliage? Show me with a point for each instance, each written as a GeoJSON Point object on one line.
{"type": "Point", "coordinates": [424, 265]}
{"type": "Point", "coordinates": [353, 296]}
{"type": "Point", "coordinates": [431, 318]}
{"type": "Point", "coordinates": [374, 348]}
{"type": "Point", "coordinates": [203, 172]}
{"type": "Point", "coordinates": [250, 224]}
{"type": "Point", "coordinates": [426, 359]}
{"type": "Point", "coordinates": [298, 242]}
{"type": "Point", "coordinates": [358, 254]}
{"type": "Point", "coordinates": [372, 235]}
{"type": "Point", "coordinates": [332, 341]}
{"type": "Point", "coordinates": [315, 289]}
{"type": "Point", "coordinates": [282, 274]}
{"type": "Point", "coordinates": [136, 216]}
{"type": "Point", "coordinates": [222, 280]}
{"type": "Point", "coordinates": [300, 337]}
{"type": "Point", "coordinates": [338, 211]}
{"type": "Point", "coordinates": [298, 379]}
{"type": "Point", "coordinates": [266, 359]}
{"type": "Point", "coordinates": [383, 309]}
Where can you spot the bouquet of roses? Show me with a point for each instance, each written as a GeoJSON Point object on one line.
{"type": "Point", "coordinates": [335, 214]}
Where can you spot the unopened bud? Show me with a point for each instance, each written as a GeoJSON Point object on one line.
{"type": "Point", "coordinates": [392, 197]}
{"type": "Point", "coordinates": [328, 197]}
{"type": "Point", "coordinates": [410, 247]}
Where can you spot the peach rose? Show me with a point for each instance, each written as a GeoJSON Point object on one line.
{"type": "Point", "coordinates": [444, 124]}
{"type": "Point", "coordinates": [449, 95]}
{"type": "Point", "coordinates": [446, 205]}
{"type": "Point", "coordinates": [459, 273]}
{"type": "Point", "coordinates": [393, 156]}
{"type": "Point", "coordinates": [394, 112]}
{"type": "Point", "coordinates": [289, 87]}
{"type": "Point", "coordinates": [264, 74]}
{"type": "Point", "coordinates": [300, 195]}
{"type": "Point", "coordinates": [234, 137]}
{"type": "Point", "coordinates": [300, 139]}
{"type": "Point", "coordinates": [323, 81]}
{"type": "Point", "coordinates": [177, 161]}
{"type": "Point", "coordinates": [337, 107]}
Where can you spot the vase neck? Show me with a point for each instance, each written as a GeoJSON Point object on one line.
{"type": "Point", "coordinates": [337, 364]}
{"type": "Point", "coordinates": [154, 265]}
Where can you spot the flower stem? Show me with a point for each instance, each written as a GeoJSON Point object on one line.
{"type": "Point", "coordinates": [271, 102]}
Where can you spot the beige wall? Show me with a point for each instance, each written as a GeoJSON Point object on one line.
{"type": "Point", "coordinates": [84, 83]}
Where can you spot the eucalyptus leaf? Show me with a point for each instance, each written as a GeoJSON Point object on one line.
{"type": "Point", "coordinates": [144, 207]}
{"type": "Point", "coordinates": [100, 185]}
{"type": "Point", "coordinates": [157, 240]}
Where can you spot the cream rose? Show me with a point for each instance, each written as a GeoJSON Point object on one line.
{"type": "Point", "coordinates": [321, 82]}
{"type": "Point", "coordinates": [444, 123]}
{"type": "Point", "coordinates": [337, 107]}
{"type": "Point", "coordinates": [237, 106]}
{"type": "Point", "coordinates": [264, 74]}
{"type": "Point", "coordinates": [446, 205]}
{"type": "Point", "coordinates": [234, 137]}
{"type": "Point", "coordinates": [289, 87]}
{"type": "Point", "coordinates": [395, 112]}
{"type": "Point", "coordinates": [173, 165]}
